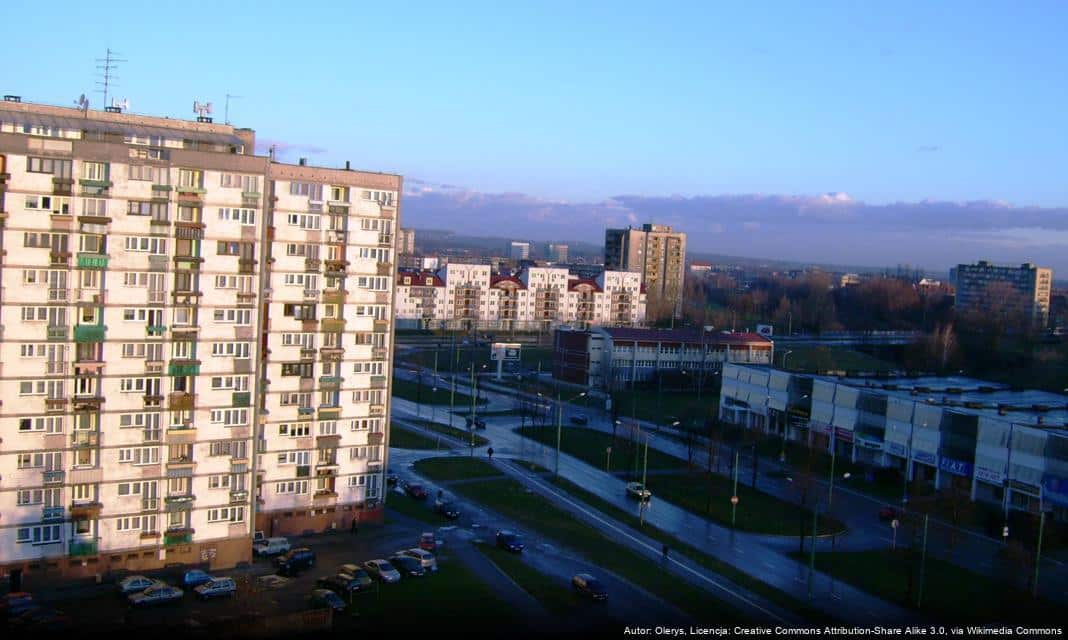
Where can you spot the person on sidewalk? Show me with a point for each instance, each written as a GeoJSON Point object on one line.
{"type": "Point", "coordinates": [664, 551]}
{"type": "Point", "coordinates": [489, 452]}
{"type": "Point", "coordinates": [352, 528]}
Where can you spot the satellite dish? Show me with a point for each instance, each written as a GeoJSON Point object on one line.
{"type": "Point", "coordinates": [202, 109]}
{"type": "Point", "coordinates": [83, 102]}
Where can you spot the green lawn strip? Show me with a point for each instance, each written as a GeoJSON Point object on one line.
{"type": "Point", "coordinates": [738, 577]}
{"type": "Point", "coordinates": [758, 512]}
{"type": "Point", "coordinates": [554, 595]}
{"type": "Point", "coordinates": [459, 432]}
{"type": "Point", "coordinates": [460, 360]}
{"type": "Point", "coordinates": [412, 508]}
{"type": "Point", "coordinates": [952, 593]}
{"type": "Point", "coordinates": [455, 468]}
{"type": "Point", "coordinates": [404, 439]}
{"type": "Point", "coordinates": [653, 406]}
{"type": "Point", "coordinates": [510, 499]}
{"type": "Point", "coordinates": [449, 597]}
{"type": "Point", "coordinates": [490, 414]}
{"type": "Point", "coordinates": [820, 359]}
{"type": "Point", "coordinates": [424, 393]}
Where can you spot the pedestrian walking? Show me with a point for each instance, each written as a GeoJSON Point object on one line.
{"type": "Point", "coordinates": [352, 528]}
{"type": "Point", "coordinates": [664, 550]}
{"type": "Point", "coordinates": [489, 452]}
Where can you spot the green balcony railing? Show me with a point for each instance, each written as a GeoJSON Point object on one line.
{"type": "Point", "coordinates": [242, 399]}
{"type": "Point", "coordinates": [89, 332]}
{"type": "Point", "coordinates": [156, 329]}
{"type": "Point", "coordinates": [171, 539]}
{"type": "Point", "coordinates": [92, 261]}
{"type": "Point", "coordinates": [101, 184]}
{"type": "Point", "coordinates": [80, 548]}
{"type": "Point", "coordinates": [184, 369]}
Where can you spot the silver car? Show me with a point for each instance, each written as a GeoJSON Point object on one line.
{"type": "Point", "coordinates": [136, 584]}
{"type": "Point", "coordinates": [217, 588]}
{"type": "Point", "coordinates": [382, 570]}
{"type": "Point", "coordinates": [156, 595]}
{"type": "Point", "coordinates": [427, 559]}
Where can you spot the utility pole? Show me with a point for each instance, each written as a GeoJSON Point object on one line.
{"type": "Point", "coordinates": [559, 428]}
{"type": "Point", "coordinates": [1038, 552]}
{"type": "Point", "coordinates": [923, 563]}
{"type": "Point", "coordinates": [812, 552]}
{"type": "Point", "coordinates": [734, 496]}
{"type": "Point", "coordinates": [645, 469]}
{"type": "Point", "coordinates": [473, 416]}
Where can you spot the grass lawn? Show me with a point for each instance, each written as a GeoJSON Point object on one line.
{"type": "Point", "coordinates": [460, 432]}
{"type": "Point", "coordinates": [556, 596]}
{"type": "Point", "coordinates": [461, 359]}
{"type": "Point", "coordinates": [404, 439]}
{"type": "Point", "coordinates": [820, 359]}
{"type": "Point", "coordinates": [424, 394]}
{"type": "Point", "coordinates": [811, 615]}
{"type": "Point", "coordinates": [442, 601]}
{"type": "Point", "coordinates": [647, 404]}
{"type": "Point", "coordinates": [757, 512]}
{"type": "Point", "coordinates": [510, 499]}
{"type": "Point", "coordinates": [455, 468]}
{"type": "Point", "coordinates": [954, 594]}
{"type": "Point", "coordinates": [415, 509]}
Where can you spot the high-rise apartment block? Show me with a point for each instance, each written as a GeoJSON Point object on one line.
{"type": "Point", "coordinates": [983, 286]}
{"type": "Point", "coordinates": [519, 250]}
{"type": "Point", "coordinates": [406, 242]}
{"type": "Point", "coordinates": [655, 251]}
{"type": "Point", "coordinates": [195, 341]}
{"type": "Point", "coordinates": [558, 253]}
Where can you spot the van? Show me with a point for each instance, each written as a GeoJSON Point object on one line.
{"type": "Point", "coordinates": [294, 560]}
{"type": "Point", "coordinates": [270, 546]}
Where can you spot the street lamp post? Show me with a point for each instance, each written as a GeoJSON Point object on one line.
{"type": "Point", "coordinates": [734, 496]}
{"type": "Point", "coordinates": [608, 460]}
{"type": "Point", "coordinates": [560, 429]}
{"type": "Point", "coordinates": [784, 354]}
{"type": "Point", "coordinates": [812, 550]}
{"type": "Point", "coordinates": [645, 469]}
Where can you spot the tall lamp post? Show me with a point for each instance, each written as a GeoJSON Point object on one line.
{"type": "Point", "coordinates": [645, 469]}
{"type": "Point", "coordinates": [784, 354]}
{"type": "Point", "coordinates": [560, 428]}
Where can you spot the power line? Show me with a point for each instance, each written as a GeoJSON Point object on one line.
{"type": "Point", "coordinates": [106, 71]}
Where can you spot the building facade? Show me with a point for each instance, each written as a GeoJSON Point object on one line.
{"type": "Point", "coordinates": [558, 253]}
{"type": "Point", "coordinates": [981, 439]}
{"type": "Point", "coordinates": [983, 286]}
{"type": "Point", "coordinates": [656, 252]}
{"type": "Point", "coordinates": [406, 242]}
{"type": "Point", "coordinates": [140, 256]}
{"type": "Point", "coordinates": [519, 250]}
{"type": "Point", "coordinates": [471, 296]}
{"type": "Point", "coordinates": [615, 357]}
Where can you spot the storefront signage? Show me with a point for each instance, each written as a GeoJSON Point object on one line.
{"type": "Point", "coordinates": [924, 457]}
{"type": "Point", "coordinates": [956, 467]}
{"type": "Point", "coordinates": [843, 434]}
{"type": "Point", "coordinates": [870, 444]}
{"type": "Point", "coordinates": [989, 475]}
{"type": "Point", "coordinates": [895, 449]}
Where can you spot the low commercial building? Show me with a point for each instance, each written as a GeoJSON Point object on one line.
{"type": "Point", "coordinates": [988, 442]}
{"type": "Point", "coordinates": [613, 357]}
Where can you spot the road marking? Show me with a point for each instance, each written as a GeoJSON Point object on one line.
{"type": "Point", "coordinates": [613, 527]}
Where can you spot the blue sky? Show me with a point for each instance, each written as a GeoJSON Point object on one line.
{"type": "Point", "coordinates": [888, 102]}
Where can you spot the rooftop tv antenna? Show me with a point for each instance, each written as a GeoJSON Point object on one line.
{"type": "Point", "coordinates": [226, 109]}
{"type": "Point", "coordinates": [203, 111]}
{"type": "Point", "coordinates": [118, 106]}
{"type": "Point", "coordinates": [106, 71]}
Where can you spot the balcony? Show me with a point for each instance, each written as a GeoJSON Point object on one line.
{"type": "Point", "coordinates": [82, 548]}
{"type": "Point", "coordinates": [246, 299]}
{"type": "Point", "coordinates": [334, 296]}
{"type": "Point", "coordinates": [89, 332]}
{"type": "Point", "coordinates": [250, 198]}
{"type": "Point", "coordinates": [92, 261]}
{"type": "Point", "coordinates": [184, 368]}
{"type": "Point", "coordinates": [149, 504]}
{"type": "Point", "coordinates": [181, 433]}
{"type": "Point", "coordinates": [238, 496]}
{"type": "Point", "coordinates": [241, 399]}
{"type": "Point", "coordinates": [87, 402]}
{"type": "Point", "coordinates": [53, 513]}
{"type": "Point", "coordinates": [153, 366]}
{"type": "Point", "coordinates": [379, 353]}
{"type": "Point", "coordinates": [53, 477]}
{"type": "Point", "coordinates": [377, 410]}
{"type": "Point", "coordinates": [181, 401]}
{"type": "Point", "coordinates": [384, 268]}
{"type": "Point", "coordinates": [85, 439]}
{"type": "Point", "coordinates": [332, 441]}
{"type": "Point", "coordinates": [61, 221]}
{"type": "Point", "coordinates": [246, 266]}
{"type": "Point", "coordinates": [59, 258]}
{"type": "Point", "coordinates": [311, 265]}
{"type": "Point", "coordinates": [62, 186]}
{"type": "Point", "coordinates": [375, 437]}
{"type": "Point", "coordinates": [58, 332]}
{"type": "Point", "coordinates": [311, 294]}
{"type": "Point", "coordinates": [153, 400]}
{"type": "Point", "coordinates": [55, 405]}
{"type": "Point", "coordinates": [172, 537]}
{"type": "Point", "coordinates": [79, 510]}
{"type": "Point", "coordinates": [188, 230]}
{"type": "Point", "coordinates": [332, 354]}
{"type": "Point", "coordinates": [333, 325]}
{"type": "Point", "coordinates": [329, 412]}
{"type": "Point", "coordinates": [156, 329]}
{"type": "Point", "coordinates": [385, 239]}
{"type": "Point", "coordinates": [179, 503]}
{"type": "Point", "coordinates": [380, 326]}
{"type": "Point", "coordinates": [378, 382]}
{"type": "Point", "coordinates": [330, 381]}
{"type": "Point", "coordinates": [305, 411]}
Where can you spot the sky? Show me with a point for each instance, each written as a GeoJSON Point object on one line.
{"type": "Point", "coordinates": [607, 105]}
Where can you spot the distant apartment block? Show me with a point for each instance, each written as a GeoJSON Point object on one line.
{"type": "Point", "coordinates": [519, 251]}
{"type": "Point", "coordinates": [558, 253]}
{"type": "Point", "coordinates": [195, 341]}
{"type": "Point", "coordinates": [406, 242]}
{"type": "Point", "coordinates": [470, 296]}
{"type": "Point", "coordinates": [984, 286]}
{"type": "Point", "coordinates": [615, 357]}
{"type": "Point", "coordinates": [656, 252]}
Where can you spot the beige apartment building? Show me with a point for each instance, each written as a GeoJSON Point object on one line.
{"type": "Point", "coordinates": [156, 274]}
{"type": "Point", "coordinates": [978, 284]}
{"type": "Point", "coordinates": [656, 252]}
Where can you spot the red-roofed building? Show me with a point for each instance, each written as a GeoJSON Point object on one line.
{"type": "Point", "coordinates": [610, 357]}
{"type": "Point", "coordinates": [420, 299]}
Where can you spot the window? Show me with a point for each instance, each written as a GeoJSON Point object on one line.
{"type": "Point", "coordinates": [241, 283]}
{"type": "Point", "coordinates": [139, 455]}
{"type": "Point", "coordinates": [47, 497]}
{"type": "Point", "coordinates": [229, 417]}
{"type": "Point", "coordinates": [298, 399]}
{"type": "Point", "coordinates": [310, 251]}
{"type": "Point", "coordinates": [49, 203]}
{"type": "Point", "coordinates": [155, 246]}
{"type": "Point", "coordinates": [249, 184]}
{"type": "Point", "coordinates": [382, 197]}
{"type": "Point", "coordinates": [190, 178]}
{"type": "Point", "coordinates": [302, 369]}
{"type": "Point", "coordinates": [58, 168]}
{"type": "Point", "coordinates": [299, 311]}
{"type": "Point", "coordinates": [312, 190]}
{"type": "Point", "coordinates": [231, 349]}
{"type": "Point", "coordinates": [300, 458]}
{"type": "Point", "coordinates": [94, 171]}
{"type": "Point", "coordinates": [219, 482]}
{"type": "Point", "coordinates": [227, 248]}
{"type": "Point", "coordinates": [138, 208]}
{"type": "Point", "coordinates": [94, 207]}
{"type": "Point", "coordinates": [135, 279]}
{"type": "Point", "coordinates": [41, 424]}
{"type": "Point", "coordinates": [146, 523]}
{"type": "Point", "coordinates": [234, 383]}
{"type": "Point", "coordinates": [43, 534]}
{"type": "Point", "coordinates": [381, 255]}
{"type": "Point", "coordinates": [226, 514]}
{"type": "Point", "coordinates": [373, 368]}
{"type": "Point", "coordinates": [244, 216]}
{"type": "Point", "coordinates": [305, 280]}
{"type": "Point", "coordinates": [233, 316]}
{"type": "Point", "coordinates": [295, 430]}
{"type": "Point", "coordinates": [294, 486]}
{"type": "Point", "coordinates": [374, 283]}
{"type": "Point", "coordinates": [50, 388]}
{"type": "Point", "coordinates": [303, 340]}
{"type": "Point", "coordinates": [304, 220]}
{"type": "Point", "coordinates": [143, 173]}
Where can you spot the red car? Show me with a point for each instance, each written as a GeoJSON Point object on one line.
{"type": "Point", "coordinates": [416, 491]}
{"type": "Point", "coordinates": [427, 542]}
{"type": "Point", "coordinates": [886, 514]}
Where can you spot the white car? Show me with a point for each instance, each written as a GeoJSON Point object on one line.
{"type": "Point", "coordinates": [270, 546]}
{"type": "Point", "coordinates": [382, 570]}
{"type": "Point", "coordinates": [136, 584]}
{"type": "Point", "coordinates": [638, 490]}
{"type": "Point", "coordinates": [425, 558]}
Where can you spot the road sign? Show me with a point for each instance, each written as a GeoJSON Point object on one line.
{"type": "Point", "coordinates": [734, 499]}
{"type": "Point", "coordinates": [505, 351]}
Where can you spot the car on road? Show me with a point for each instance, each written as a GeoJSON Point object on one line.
{"type": "Point", "coordinates": [382, 570]}
{"type": "Point", "coordinates": [416, 491]}
{"type": "Point", "coordinates": [510, 541]}
{"type": "Point", "coordinates": [217, 588]}
{"type": "Point", "coordinates": [425, 558]}
{"type": "Point", "coordinates": [320, 598]}
{"type": "Point", "coordinates": [580, 419]}
{"type": "Point", "coordinates": [342, 584]}
{"type": "Point", "coordinates": [407, 565]}
{"type": "Point", "coordinates": [270, 546]}
{"type": "Point", "coordinates": [479, 423]}
{"type": "Point", "coordinates": [38, 618]}
{"type": "Point", "coordinates": [354, 571]}
{"type": "Point", "coordinates": [427, 542]}
{"type": "Point", "coordinates": [391, 479]}
{"type": "Point", "coordinates": [638, 490]}
{"type": "Point", "coordinates": [888, 513]}
{"type": "Point", "coordinates": [160, 594]}
{"type": "Point", "coordinates": [194, 578]}
{"type": "Point", "coordinates": [447, 508]}
{"type": "Point", "coordinates": [589, 586]}
{"type": "Point", "coordinates": [292, 561]}
{"type": "Point", "coordinates": [11, 604]}
{"type": "Point", "coordinates": [136, 584]}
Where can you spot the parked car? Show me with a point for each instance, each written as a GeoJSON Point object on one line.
{"type": "Point", "coordinates": [326, 598]}
{"type": "Point", "coordinates": [416, 491]}
{"type": "Point", "coordinates": [136, 584]}
{"type": "Point", "coordinates": [638, 490]}
{"type": "Point", "coordinates": [391, 479]}
{"type": "Point", "coordinates": [448, 509]}
{"type": "Point", "coordinates": [342, 584]}
{"type": "Point", "coordinates": [382, 570]}
{"type": "Point", "coordinates": [407, 565]}
{"type": "Point", "coordinates": [478, 423]}
{"type": "Point", "coordinates": [292, 561]}
{"type": "Point", "coordinates": [589, 586]}
{"type": "Point", "coordinates": [510, 541]}
{"type": "Point", "coordinates": [888, 513]}
{"type": "Point", "coordinates": [156, 595]}
{"type": "Point", "coordinates": [427, 542]}
{"type": "Point", "coordinates": [13, 603]}
{"type": "Point", "coordinates": [39, 618]}
{"type": "Point", "coordinates": [580, 419]}
{"type": "Point", "coordinates": [425, 558]}
{"type": "Point", "coordinates": [270, 546]}
{"type": "Point", "coordinates": [217, 588]}
{"type": "Point", "coordinates": [194, 578]}
{"type": "Point", "coordinates": [354, 571]}
{"type": "Point", "coordinates": [258, 536]}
